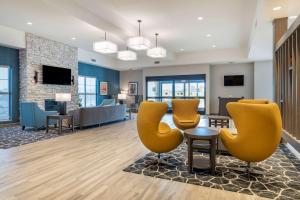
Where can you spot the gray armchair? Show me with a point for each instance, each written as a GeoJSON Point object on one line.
{"type": "Point", "coordinates": [32, 116]}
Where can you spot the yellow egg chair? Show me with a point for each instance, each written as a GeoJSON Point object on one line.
{"type": "Point", "coordinates": [258, 135]}
{"type": "Point", "coordinates": [185, 113]}
{"type": "Point", "coordinates": [254, 101]}
{"type": "Point", "coordinates": [157, 136]}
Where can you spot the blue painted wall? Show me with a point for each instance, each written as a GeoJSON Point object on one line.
{"type": "Point", "coordinates": [10, 57]}
{"type": "Point", "coordinates": [102, 74]}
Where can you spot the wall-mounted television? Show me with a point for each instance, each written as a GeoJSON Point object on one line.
{"type": "Point", "coordinates": [56, 75]}
{"type": "Point", "coordinates": [234, 80]}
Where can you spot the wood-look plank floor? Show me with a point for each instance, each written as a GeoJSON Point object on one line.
{"type": "Point", "coordinates": [88, 165]}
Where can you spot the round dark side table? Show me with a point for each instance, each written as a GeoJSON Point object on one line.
{"type": "Point", "coordinates": [202, 133]}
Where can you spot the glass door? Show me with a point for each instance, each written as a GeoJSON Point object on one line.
{"type": "Point", "coordinates": [180, 88]}
{"type": "Point", "coordinates": [196, 89]}
{"type": "Point", "coordinates": [166, 88]}
{"type": "Point", "coordinates": [167, 92]}
{"type": "Point", "coordinates": [5, 93]}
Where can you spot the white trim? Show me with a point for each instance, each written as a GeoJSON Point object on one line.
{"type": "Point", "coordinates": [294, 151]}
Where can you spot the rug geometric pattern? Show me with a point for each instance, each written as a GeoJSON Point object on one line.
{"type": "Point", "coordinates": [280, 182]}
{"type": "Point", "coordinates": [14, 136]}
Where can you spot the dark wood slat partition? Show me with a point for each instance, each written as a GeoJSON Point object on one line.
{"type": "Point", "coordinates": [287, 81]}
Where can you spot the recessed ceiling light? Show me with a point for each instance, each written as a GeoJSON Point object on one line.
{"type": "Point", "coordinates": [208, 35]}
{"type": "Point", "coordinates": [181, 49]}
{"type": "Point", "coordinates": [73, 38]}
{"type": "Point", "coordinates": [29, 23]}
{"type": "Point", "coordinates": [293, 17]}
{"type": "Point", "coordinates": [214, 46]}
{"type": "Point", "coordinates": [200, 18]}
{"type": "Point", "coordinates": [276, 8]}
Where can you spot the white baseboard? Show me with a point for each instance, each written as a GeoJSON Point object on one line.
{"type": "Point", "coordinates": [294, 151]}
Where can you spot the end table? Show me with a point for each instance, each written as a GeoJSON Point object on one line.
{"type": "Point", "coordinates": [59, 119]}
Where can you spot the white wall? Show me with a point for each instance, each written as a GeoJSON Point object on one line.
{"type": "Point", "coordinates": [217, 88]}
{"type": "Point", "coordinates": [12, 38]}
{"type": "Point", "coordinates": [131, 76]}
{"type": "Point", "coordinates": [180, 70]}
{"type": "Point", "coordinates": [94, 58]}
{"type": "Point", "coordinates": [263, 80]}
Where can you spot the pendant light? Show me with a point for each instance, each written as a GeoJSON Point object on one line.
{"type": "Point", "coordinates": [127, 55]}
{"type": "Point", "coordinates": [139, 42]}
{"type": "Point", "coordinates": [157, 52]}
{"type": "Point", "coordinates": [105, 47]}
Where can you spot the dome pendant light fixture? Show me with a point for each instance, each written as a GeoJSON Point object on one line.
{"type": "Point", "coordinates": [127, 55]}
{"type": "Point", "coordinates": [139, 42]}
{"type": "Point", "coordinates": [157, 52]}
{"type": "Point", "coordinates": [105, 47]}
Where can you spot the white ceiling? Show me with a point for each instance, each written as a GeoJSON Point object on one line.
{"type": "Point", "coordinates": [229, 22]}
{"type": "Point", "coordinates": [261, 39]}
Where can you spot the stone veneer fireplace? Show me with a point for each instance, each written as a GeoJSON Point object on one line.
{"type": "Point", "coordinates": [41, 51]}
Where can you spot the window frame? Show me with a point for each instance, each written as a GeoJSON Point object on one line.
{"type": "Point", "coordinates": [85, 93]}
{"type": "Point", "coordinates": [9, 92]}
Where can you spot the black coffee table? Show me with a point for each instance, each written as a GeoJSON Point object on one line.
{"type": "Point", "coordinates": [202, 133]}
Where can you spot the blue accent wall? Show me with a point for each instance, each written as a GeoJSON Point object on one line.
{"type": "Point", "coordinates": [102, 74]}
{"type": "Point", "coordinates": [10, 57]}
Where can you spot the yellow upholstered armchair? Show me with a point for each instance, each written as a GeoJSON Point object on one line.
{"type": "Point", "coordinates": [185, 113]}
{"type": "Point", "coordinates": [157, 136]}
{"type": "Point", "coordinates": [258, 132]}
{"type": "Point", "coordinates": [254, 101]}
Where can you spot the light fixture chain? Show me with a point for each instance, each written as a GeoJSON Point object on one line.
{"type": "Point", "coordinates": [139, 21]}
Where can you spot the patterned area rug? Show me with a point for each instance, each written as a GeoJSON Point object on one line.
{"type": "Point", "coordinates": [14, 136]}
{"type": "Point", "coordinates": [281, 181]}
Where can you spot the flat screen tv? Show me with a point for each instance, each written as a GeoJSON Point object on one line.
{"type": "Point", "coordinates": [56, 75]}
{"type": "Point", "coordinates": [234, 80]}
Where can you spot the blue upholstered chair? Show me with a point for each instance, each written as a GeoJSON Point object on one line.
{"type": "Point", "coordinates": [108, 102]}
{"type": "Point", "coordinates": [32, 116]}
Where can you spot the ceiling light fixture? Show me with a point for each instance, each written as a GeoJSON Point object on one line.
{"type": "Point", "coordinates": [214, 46]}
{"type": "Point", "coordinates": [181, 49]}
{"type": "Point", "coordinates": [208, 35]}
{"type": "Point", "coordinates": [293, 17]}
{"type": "Point", "coordinates": [277, 8]}
{"type": "Point", "coordinates": [157, 52]}
{"type": "Point", "coordinates": [73, 38]}
{"type": "Point", "coordinates": [127, 55]}
{"type": "Point", "coordinates": [139, 42]}
{"type": "Point", "coordinates": [200, 18]}
{"type": "Point", "coordinates": [29, 23]}
{"type": "Point", "coordinates": [105, 47]}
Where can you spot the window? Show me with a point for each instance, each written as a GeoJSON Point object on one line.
{"type": "Point", "coordinates": [87, 90]}
{"type": "Point", "coordinates": [166, 88]}
{"type": "Point", "coordinates": [5, 94]}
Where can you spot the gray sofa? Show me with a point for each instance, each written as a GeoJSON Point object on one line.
{"type": "Point", "coordinates": [98, 115]}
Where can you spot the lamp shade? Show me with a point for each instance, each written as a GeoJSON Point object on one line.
{"type": "Point", "coordinates": [138, 43]}
{"type": "Point", "coordinates": [121, 96]}
{"type": "Point", "coordinates": [157, 52]}
{"type": "Point", "coordinates": [63, 97]}
{"type": "Point", "coordinates": [127, 55]}
{"type": "Point", "coordinates": [105, 47]}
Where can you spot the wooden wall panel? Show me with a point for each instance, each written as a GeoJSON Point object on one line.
{"type": "Point", "coordinates": [287, 76]}
{"type": "Point", "coordinates": [297, 66]}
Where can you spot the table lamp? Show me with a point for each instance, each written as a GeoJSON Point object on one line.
{"type": "Point", "coordinates": [63, 98]}
{"type": "Point", "coordinates": [121, 98]}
